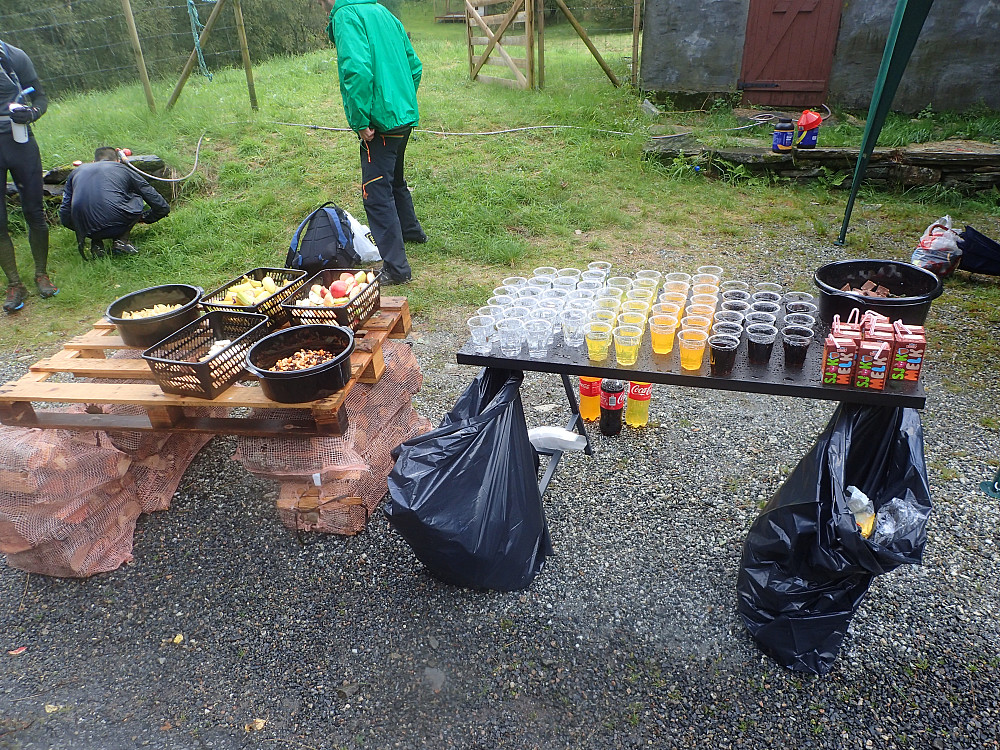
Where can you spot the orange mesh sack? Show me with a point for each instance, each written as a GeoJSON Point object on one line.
{"type": "Point", "coordinates": [157, 476]}
{"type": "Point", "coordinates": [91, 534]}
{"type": "Point", "coordinates": [38, 466]}
{"type": "Point", "coordinates": [370, 407]}
{"type": "Point", "coordinates": [344, 505]}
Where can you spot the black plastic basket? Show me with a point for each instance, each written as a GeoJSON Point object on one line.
{"type": "Point", "coordinates": [352, 315]}
{"type": "Point", "coordinates": [176, 361]}
{"type": "Point", "coordinates": [271, 307]}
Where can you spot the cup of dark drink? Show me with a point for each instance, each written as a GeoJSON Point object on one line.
{"type": "Point", "coordinates": [760, 342]}
{"type": "Point", "coordinates": [722, 354]}
{"type": "Point", "coordinates": [796, 340]}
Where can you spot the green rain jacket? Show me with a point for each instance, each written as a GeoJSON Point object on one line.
{"type": "Point", "coordinates": [379, 71]}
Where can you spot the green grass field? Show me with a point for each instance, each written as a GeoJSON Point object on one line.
{"type": "Point", "coordinates": [490, 203]}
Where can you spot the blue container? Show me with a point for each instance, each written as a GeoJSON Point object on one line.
{"type": "Point", "coordinates": [784, 135]}
{"type": "Point", "coordinates": [807, 139]}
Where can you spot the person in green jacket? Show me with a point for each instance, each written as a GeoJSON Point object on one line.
{"type": "Point", "coordinates": [379, 75]}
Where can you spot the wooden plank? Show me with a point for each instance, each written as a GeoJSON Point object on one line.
{"type": "Point", "coordinates": [520, 62]}
{"type": "Point", "coordinates": [497, 19]}
{"type": "Point", "coordinates": [374, 370]}
{"type": "Point", "coordinates": [89, 367]}
{"type": "Point", "coordinates": [513, 40]}
{"type": "Point", "coordinates": [495, 39]}
{"type": "Point", "coordinates": [98, 339]}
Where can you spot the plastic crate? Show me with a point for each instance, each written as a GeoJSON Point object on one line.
{"type": "Point", "coordinates": [352, 315]}
{"type": "Point", "coordinates": [176, 361]}
{"type": "Point", "coordinates": [271, 307]}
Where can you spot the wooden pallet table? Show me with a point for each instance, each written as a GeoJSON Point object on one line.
{"type": "Point", "coordinates": [86, 357]}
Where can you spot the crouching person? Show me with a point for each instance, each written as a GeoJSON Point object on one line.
{"type": "Point", "coordinates": [103, 200]}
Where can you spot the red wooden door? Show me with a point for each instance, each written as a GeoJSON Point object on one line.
{"type": "Point", "coordinates": [788, 51]}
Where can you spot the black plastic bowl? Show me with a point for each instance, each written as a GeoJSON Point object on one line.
{"type": "Point", "coordinates": [300, 386]}
{"type": "Point", "coordinates": [143, 333]}
{"type": "Point", "coordinates": [912, 287]}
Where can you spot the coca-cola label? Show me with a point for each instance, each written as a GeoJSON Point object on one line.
{"type": "Point", "coordinates": [639, 391]}
{"type": "Point", "coordinates": [590, 387]}
{"type": "Point", "coordinates": [612, 401]}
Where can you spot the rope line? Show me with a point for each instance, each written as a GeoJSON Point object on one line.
{"type": "Point", "coordinates": [196, 28]}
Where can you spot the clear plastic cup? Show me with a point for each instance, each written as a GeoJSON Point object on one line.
{"type": "Point", "coordinates": [772, 308]}
{"type": "Point", "coordinates": [537, 333]}
{"type": "Point", "coordinates": [760, 342]}
{"type": "Point", "coordinates": [620, 282]}
{"type": "Point", "coordinates": [641, 293]}
{"type": "Point", "coordinates": [705, 278]}
{"type": "Point", "coordinates": [636, 306]}
{"type": "Point", "coordinates": [573, 322]}
{"type": "Point", "coordinates": [567, 283]}
{"type": "Point", "coordinates": [517, 312]}
{"type": "Point", "coordinates": [729, 316]}
{"type": "Point", "coordinates": [676, 286]}
{"type": "Point", "coordinates": [541, 282]}
{"type": "Point", "coordinates": [580, 304]}
{"type": "Point", "coordinates": [598, 276]}
{"type": "Point", "coordinates": [606, 316]}
{"type": "Point", "coordinates": [702, 311]}
{"type": "Point", "coordinates": [599, 265]}
{"type": "Point", "coordinates": [515, 281]}
{"type": "Point", "coordinates": [662, 329]}
{"type": "Point", "coordinates": [795, 342]}
{"type": "Point", "coordinates": [679, 297]}
{"type": "Point", "coordinates": [734, 285]}
{"type": "Point", "coordinates": [801, 307]}
{"type": "Point", "coordinates": [705, 289]}
{"type": "Point", "coordinates": [611, 291]}
{"type": "Point", "coordinates": [691, 343]}
{"type": "Point", "coordinates": [511, 333]}
{"type": "Point", "coordinates": [800, 319]}
{"type": "Point", "coordinates": [704, 300]}
{"type": "Point", "coordinates": [649, 274]}
{"type": "Point", "coordinates": [736, 294]}
{"type": "Point", "coordinates": [554, 294]}
{"type": "Point", "coordinates": [646, 282]}
{"type": "Point", "coordinates": [725, 328]}
{"type": "Point", "coordinates": [550, 315]}
{"type": "Point", "coordinates": [607, 303]}
{"type": "Point", "coordinates": [530, 302]}
{"type": "Point", "coordinates": [627, 339]}
{"type": "Point", "coordinates": [768, 286]}
{"type": "Point", "coordinates": [713, 270]}
{"type": "Point", "coordinates": [758, 317]}
{"type": "Point", "coordinates": [666, 308]}
{"type": "Point", "coordinates": [549, 271]}
{"type": "Point", "coordinates": [774, 297]}
{"type": "Point", "coordinates": [510, 291]}
{"type": "Point", "coordinates": [501, 300]}
{"type": "Point", "coordinates": [632, 319]}
{"type": "Point", "coordinates": [581, 294]}
{"type": "Point", "coordinates": [481, 328]}
{"type": "Point", "coordinates": [590, 285]}
{"type": "Point", "coordinates": [570, 273]}
{"type": "Point", "coordinates": [695, 321]}
{"type": "Point", "coordinates": [597, 335]}
{"type": "Point", "coordinates": [740, 306]}
{"type": "Point", "coordinates": [722, 354]}
{"type": "Point", "coordinates": [796, 297]}
{"type": "Point", "coordinates": [677, 276]}
{"type": "Point", "coordinates": [552, 303]}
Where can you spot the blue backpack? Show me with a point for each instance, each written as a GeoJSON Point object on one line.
{"type": "Point", "coordinates": [323, 240]}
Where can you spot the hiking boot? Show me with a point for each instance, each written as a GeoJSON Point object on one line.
{"type": "Point", "coordinates": [420, 238]}
{"type": "Point", "coordinates": [46, 288]}
{"type": "Point", "coordinates": [121, 247]}
{"type": "Point", "coordinates": [16, 295]}
{"type": "Point", "coordinates": [96, 249]}
{"type": "Point", "coordinates": [395, 281]}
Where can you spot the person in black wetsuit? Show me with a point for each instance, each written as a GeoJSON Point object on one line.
{"type": "Point", "coordinates": [24, 162]}
{"type": "Point", "coordinates": [104, 200]}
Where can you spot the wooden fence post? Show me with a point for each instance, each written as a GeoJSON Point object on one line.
{"type": "Point", "coordinates": [189, 65]}
{"type": "Point", "coordinates": [241, 32]}
{"type": "Point", "coordinates": [636, 22]}
{"type": "Point", "coordinates": [140, 61]}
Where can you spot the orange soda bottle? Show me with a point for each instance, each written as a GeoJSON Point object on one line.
{"type": "Point", "coordinates": [637, 411]}
{"type": "Point", "coordinates": [590, 398]}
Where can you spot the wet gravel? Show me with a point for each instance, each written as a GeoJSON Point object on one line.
{"type": "Point", "coordinates": [628, 638]}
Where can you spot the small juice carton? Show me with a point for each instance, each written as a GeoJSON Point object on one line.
{"type": "Point", "coordinates": [839, 355]}
{"type": "Point", "coordinates": [908, 357]}
{"type": "Point", "coordinates": [873, 365]}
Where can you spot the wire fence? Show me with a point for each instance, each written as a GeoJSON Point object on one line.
{"type": "Point", "coordinates": [81, 45]}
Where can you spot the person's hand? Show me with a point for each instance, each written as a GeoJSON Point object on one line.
{"type": "Point", "coordinates": [367, 134]}
{"type": "Point", "coordinates": [24, 115]}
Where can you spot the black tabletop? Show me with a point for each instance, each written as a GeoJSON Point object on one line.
{"type": "Point", "coordinates": [774, 378]}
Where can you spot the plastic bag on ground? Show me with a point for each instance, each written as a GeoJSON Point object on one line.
{"type": "Point", "coordinates": [806, 566]}
{"type": "Point", "coordinates": [465, 496]}
{"type": "Point", "coordinates": [364, 241]}
{"type": "Point", "coordinates": [938, 250]}
{"type": "Point", "coordinates": [550, 438]}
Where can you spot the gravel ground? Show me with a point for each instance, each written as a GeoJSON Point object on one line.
{"type": "Point", "coordinates": [629, 637]}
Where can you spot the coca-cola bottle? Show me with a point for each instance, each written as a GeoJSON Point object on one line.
{"type": "Point", "coordinates": [612, 402]}
{"type": "Point", "coordinates": [637, 411]}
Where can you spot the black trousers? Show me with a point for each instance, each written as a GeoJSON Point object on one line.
{"type": "Point", "coordinates": [24, 162]}
{"type": "Point", "coordinates": [387, 200]}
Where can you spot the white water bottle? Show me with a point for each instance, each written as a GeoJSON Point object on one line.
{"type": "Point", "coordinates": [17, 129]}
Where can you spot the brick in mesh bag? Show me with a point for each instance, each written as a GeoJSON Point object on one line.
{"type": "Point", "coordinates": [343, 506]}
{"type": "Point", "coordinates": [369, 408]}
{"type": "Point", "coordinates": [97, 541]}
{"type": "Point", "coordinates": [38, 466]}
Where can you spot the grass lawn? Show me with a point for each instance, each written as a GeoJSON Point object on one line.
{"type": "Point", "coordinates": [491, 204]}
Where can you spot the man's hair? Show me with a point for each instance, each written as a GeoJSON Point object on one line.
{"type": "Point", "coordinates": [106, 153]}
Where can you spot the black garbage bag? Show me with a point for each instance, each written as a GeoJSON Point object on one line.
{"type": "Point", "coordinates": [805, 565]}
{"type": "Point", "coordinates": [465, 496]}
{"type": "Point", "coordinates": [980, 254]}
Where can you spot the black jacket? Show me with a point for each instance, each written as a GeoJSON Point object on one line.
{"type": "Point", "coordinates": [17, 73]}
{"type": "Point", "coordinates": [107, 194]}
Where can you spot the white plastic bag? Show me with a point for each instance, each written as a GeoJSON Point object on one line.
{"type": "Point", "coordinates": [938, 250]}
{"type": "Point", "coordinates": [556, 439]}
{"type": "Point", "coordinates": [364, 242]}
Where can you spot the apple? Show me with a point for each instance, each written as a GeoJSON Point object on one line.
{"type": "Point", "coordinates": [347, 277]}
{"type": "Point", "coordinates": [338, 289]}
{"type": "Point", "coordinates": [318, 289]}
